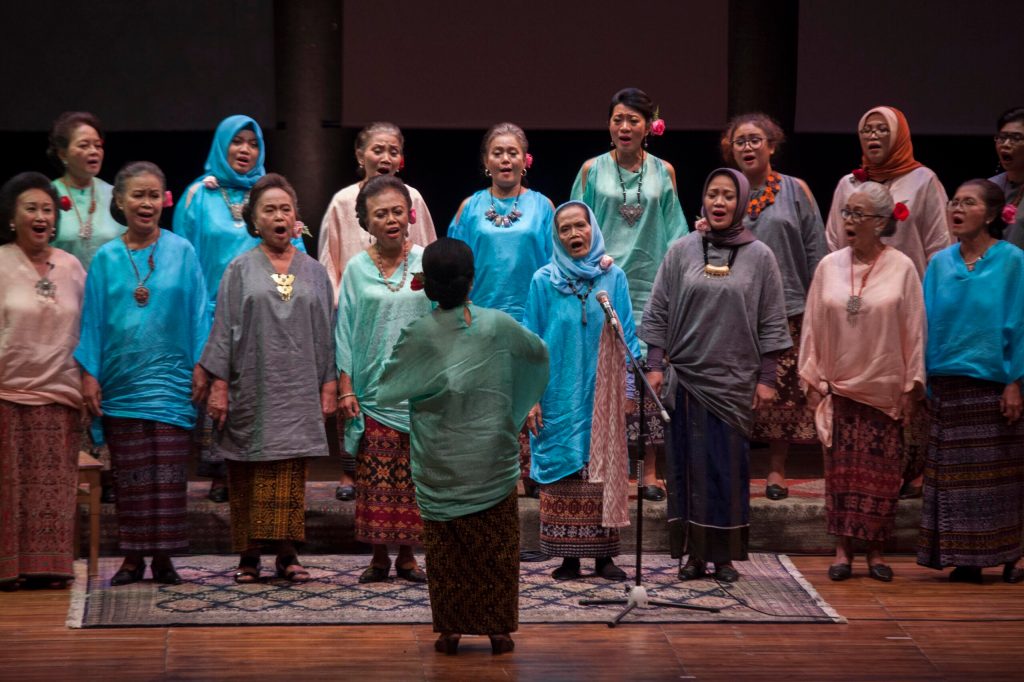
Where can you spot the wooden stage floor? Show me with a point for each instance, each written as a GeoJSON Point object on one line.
{"type": "Point", "coordinates": [918, 627]}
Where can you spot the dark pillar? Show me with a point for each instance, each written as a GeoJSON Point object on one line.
{"type": "Point", "coordinates": [308, 143]}
{"type": "Point", "coordinates": [762, 58]}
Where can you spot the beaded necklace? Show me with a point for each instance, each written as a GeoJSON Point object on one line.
{"type": "Point", "coordinates": [582, 297]}
{"type": "Point", "coordinates": [503, 220]}
{"type": "Point", "coordinates": [141, 293]}
{"type": "Point", "coordinates": [856, 301]}
{"type": "Point", "coordinates": [765, 196]}
{"type": "Point", "coordinates": [379, 262]}
{"type": "Point", "coordinates": [236, 209]}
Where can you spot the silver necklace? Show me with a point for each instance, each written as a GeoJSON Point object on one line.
{"type": "Point", "coordinates": [506, 220]}
{"type": "Point", "coordinates": [631, 212]}
{"type": "Point", "coordinates": [45, 288]}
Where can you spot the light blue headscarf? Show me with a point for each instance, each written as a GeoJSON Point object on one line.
{"type": "Point", "coordinates": [565, 266]}
{"type": "Point", "coordinates": [217, 160]}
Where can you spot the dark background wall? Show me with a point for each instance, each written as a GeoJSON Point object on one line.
{"type": "Point", "coordinates": [312, 72]}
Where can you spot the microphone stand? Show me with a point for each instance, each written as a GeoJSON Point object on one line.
{"type": "Point", "coordinates": [636, 595]}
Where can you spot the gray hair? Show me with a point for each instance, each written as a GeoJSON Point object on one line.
{"type": "Point", "coordinates": [881, 202]}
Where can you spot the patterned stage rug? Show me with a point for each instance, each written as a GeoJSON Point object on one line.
{"type": "Point", "coordinates": [770, 591]}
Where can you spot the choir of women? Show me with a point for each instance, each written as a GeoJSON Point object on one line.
{"type": "Point", "coordinates": [434, 361]}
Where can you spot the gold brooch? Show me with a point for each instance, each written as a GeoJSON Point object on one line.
{"type": "Point", "coordinates": [284, 285]}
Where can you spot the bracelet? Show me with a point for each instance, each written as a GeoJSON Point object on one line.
{"type": "Point", "coordinates": [346, 395]}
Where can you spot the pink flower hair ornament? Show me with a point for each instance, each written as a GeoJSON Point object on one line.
{"type": "Point", "coordinates": [606, 262]}
{"type": "Point", "coordinates": [528, 163]}
{"type": "Point", "coordinates": [300, 230]}
{"type": "Point", "coordinates": [210, 182]}
{"type": "Point", "coordinates": [168, 199]}
{"type": "Point", "coordinates": [412, 216]}
{"type": "Point", "coordinates": [1009, 214]}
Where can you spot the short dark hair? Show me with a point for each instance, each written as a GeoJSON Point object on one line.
{"type": "Point", "coordinates": [634, 98]}
{"type": "Point", "coordinates": [772, 130]}
{"type": "Point", "coordinates": [62, 130]}
{"type": "Point", "coordinates": [128, 171]}
{"type": "Point", "coordinates": [994, 200]}
{"type": "Point", "coordinates": [448, 272]}
{"type": "Point", "coordinates": [14, 188]}
{"type": "Point", "coordinates": [375, 186]}
{"type": "Point", "coordinates": [1011, 115]}
{"type": "Point", "coordinates": [267, 182]}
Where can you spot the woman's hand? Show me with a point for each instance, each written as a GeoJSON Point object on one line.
{"type": "Point", "coordinates": [630, 406]}
{"type": "Point", "coordinates": [814, 398]}
{"type": "Point", "coordinates": [535, 420]}
{"type": "Point", "coordinates": [656, 379]}
{"type": "Point", "coordinates": [91, 394]}
{"type": "Point", "coordinates": [1010, 402]}
{"type": "Point", "coordinates": [908, 407]}
{"type": "Point", "coordinates": [764, 396]}
{"type": "Point", "coordinates": [200, 384]}
{"type": "Point", "coordinates": [328, 400]}
{"type": "Point", "coordinates": [348, 407]}
{"type": "Point", "coordinates": [217, 402]}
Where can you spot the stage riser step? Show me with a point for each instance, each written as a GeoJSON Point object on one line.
{"type": "Point", "coordinates": [794, 526]}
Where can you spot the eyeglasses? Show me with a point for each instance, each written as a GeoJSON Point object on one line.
{"type": "Point", "coordinates": [1013, 138]}
{"type": "Point", "coordinates": [881, 131]}
{"type": "Point", "coordinates": [966, 203]}
{"type": "Point", "coordinates": [857, 217]}
{"type": "Point", "coordinates": [754, 141]}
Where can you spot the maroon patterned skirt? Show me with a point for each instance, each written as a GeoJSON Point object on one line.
{"type": "Point", "coordinates": [862, 471]}
{"type": "Point", "coordinates": [38, 484]}
{"type": "Point", "coordinates": [386, 511]}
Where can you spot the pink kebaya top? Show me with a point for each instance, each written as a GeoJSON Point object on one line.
{"type": "Point", "coordinates": [38, 334]}
{"type": "Point", "coordinates": [873, 356]}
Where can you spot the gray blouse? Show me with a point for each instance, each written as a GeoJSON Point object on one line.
{"type": "Point", "coordinates": [275, 355]}
{"type": "Point", "coordinates": [715, 329]}
{"type": "Point", "coordinates": [793, 230]}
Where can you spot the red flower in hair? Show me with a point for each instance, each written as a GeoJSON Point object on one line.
{"type": "Point", "coordinates": [900, 211]}
{"type": "Point", "coordinates": [65, 204]}
{"type": "Point", "coordinates": [417, 281]}
{"type": "Point", "coordinates": [529, 160]}
{"type": "Point", "coordinates": [1009, 213]}
{"type": "Point", "coordinates": [658, 127]}
{"type": "Point", "coordinates": [860, 175]}
{"type": "Point", "coordinates": [168, 199]}
{"type": "Point", "coordinates": [401, 162]}
{"type": "Point", "coordinates": [412, 215]}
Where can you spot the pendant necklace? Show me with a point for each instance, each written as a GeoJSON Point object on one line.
{"type": "Point", "coordinates": [45, 288]}
{"type": "Point", "coordinates": [141, 293]}
{"type": "Point", "coordinates": [236, 209]}
{"type": "Point", "coordinates": [718, 270]}
{"type": "Point", "coordinates": [631, 212]}
{"type": "Point", "coordinates": [284, 285]}
{"type": "Point", "coordinates": [506, 220]}
{"type": "Point", "coordinates": [84, 227]}
{"type": "Point", "coordinates": [582, 297]}
{"type": "Point", "coordinates": [971, 265]}
{"type": "Point", "coordinates": [856, 301]}
{"type": "Point", "coordinates": [379, 262]}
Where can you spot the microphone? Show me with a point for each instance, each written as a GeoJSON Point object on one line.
{"type": "Point", "coordinates": [606, 306]}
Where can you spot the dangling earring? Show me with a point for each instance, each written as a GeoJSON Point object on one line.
{"type": "Point", "coordinates": [487, 172]}
{"type": "Point", "coordinates": [612, 143]}
{"type": "Point", "coordinates": [645, 141]}
{"type": "Point", "coordinates": [524, 172]}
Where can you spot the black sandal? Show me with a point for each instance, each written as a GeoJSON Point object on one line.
{"type": "Point", "coordinates": [248, 570]}
{"type": "Point", "coordinates": [296, 575]}
{"type": "Point", "coordinates": [501, 644]}
{"type": "Point", "coordinates": [375, 574]}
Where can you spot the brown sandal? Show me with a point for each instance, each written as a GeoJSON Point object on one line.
{"type": "Point", "coordinates": [248, 570]}
{"type": "Point", "coordinates": [289, 568]}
